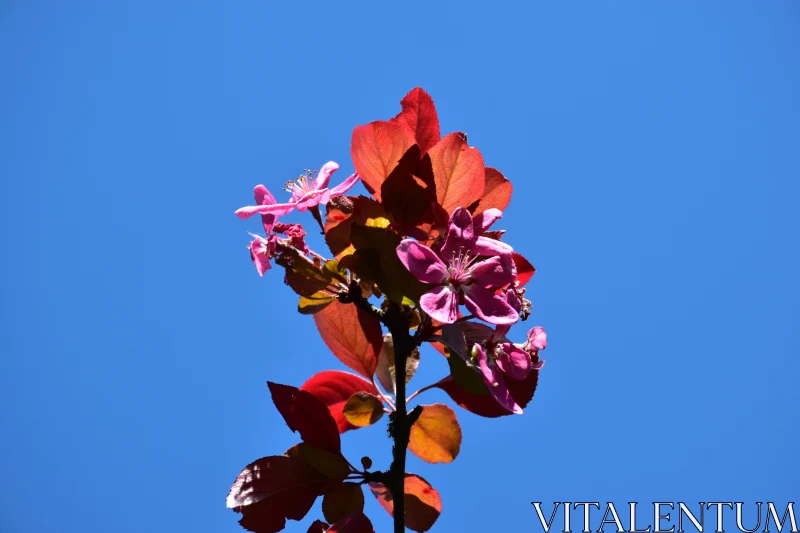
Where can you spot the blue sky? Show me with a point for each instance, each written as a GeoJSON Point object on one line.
{"type": "Point", "coordinates": [653, 147]}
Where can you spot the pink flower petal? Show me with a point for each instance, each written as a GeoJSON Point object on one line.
{"type": "Point", "coordinates": [460, 233]}
{"type": "Point", "coordinates": [514, 361]}
{"type": "Point", "coordinates": [275, 209]}
{"type": "Point", "coordinates": [441, 303]}
{"type": "Point", "coordinates": [494, 381]}
{"type": "Point", "coordinates": [484, 221]}
{"type": "Point", "coordinates": [488, 306]}
{"type": "Point", "coordinates": [421, 262]}
{"type": "Point", "coordinates": [345, 186]}
{"type": "Point", "coordinates": [260, 255]}
{"type": "Point", "coordinates": [313, 198]}
{"type": "Point", "coordinates": [490, 247]}
{"type": "Point", "coordinates": [492, 272]}
{"type": "Point", "coordinates": [263, 196]}
{"type": "Point", "coordinates": [537, 338]}
{"type": "Point", "coordinates": [324, 176]}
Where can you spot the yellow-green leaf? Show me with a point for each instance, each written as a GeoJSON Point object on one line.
{"type": "Point", "coordinates": [363, 409]}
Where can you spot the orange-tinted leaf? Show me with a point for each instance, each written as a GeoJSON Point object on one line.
{"type": "Point", "coordinates": [422, 502]}
{"type": "Point", "coordinates": [344, 499]}
{"type": "Point", "coordinates": [419, 114]}
{"type": "Point", "coordinates": [436, 435]}
{"type": "Point", "coordinates": [353, 523]}
{"type": "Point", "coordinates": [376, 148]}
{"type": "Point", "coordinates": [329, 464]}
{"type": "Point", "coordinates": [363, 409]}
{"type": "Point", "coordinates": [353, 335]}
{"type": "Point", "coordinates": [484, 404]}
{"type": "Point", "coordinates": [458, 172]}
{"type": "Point", "coordinates": [334, 388]}
{"type": "Point", "coordinates": [306, 414]}
{"type": "Point", "coordinates": [525, 270]}
{"type": "Point", "coordinates": [496, 192]}
{"type": "Point", "coordinates": [272, 489]}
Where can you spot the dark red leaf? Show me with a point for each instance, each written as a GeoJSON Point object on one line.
{"type": "Point", "coordinates": [318, 527]}
{"type": "Point", "coordinates": [272, 489]}
{"type": "Point", "coordinates": [353, 335]}
{"type": "Point", "coordinates": [334, 388]}
{"type": "Point", "coordinates": [332, 465]}
{"type": "Point", "coordinates": [485, 405]}
{"type": "Point", "coordinates": [376, 148]}
{"type": "Point", "coordinates": [355, 522]}
{"type": "Point", "coordinates": [525, 270]}
{"type": "Point", "coordinates": [419, 114]}
{"type": "Point", "coordinates": [306, 414]}
{"type": "Point", "coordinates": [422, 502]}
{"type": "Point", "coordinates": [458, 172]}
{"type": "Point", "coordinates": [496, 192]}
{"type": "Point", "coordinates": [346, 498]}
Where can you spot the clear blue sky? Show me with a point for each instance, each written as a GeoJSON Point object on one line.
{"type": "Point", "coordinates": [654, 148]}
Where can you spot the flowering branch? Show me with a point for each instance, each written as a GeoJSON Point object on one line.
{"type": "Point", "coordinates": [422, 244]}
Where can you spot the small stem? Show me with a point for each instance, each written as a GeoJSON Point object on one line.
{"type": "Point", "coordinates": [465, 318]}
{"type": "Point", "coordinates": [383, 396]}
{"type": "Point", "coordinates": [318, 217]}
{"type": "Point", "coordinates": [420, 391]}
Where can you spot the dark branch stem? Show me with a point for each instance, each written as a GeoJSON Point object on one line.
{"type": "Point", "coordinates": [396, 320]}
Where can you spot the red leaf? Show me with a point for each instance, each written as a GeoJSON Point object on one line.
{"type": "Point", "coordinates": [525, 270]}
{"type": "Point", "coordinates": [346, 498]}
{"type": "Point", "coordinates": [376, 148]}
{"type": "Point", "coordinates": [353, 523]}
{"type": "Point", "coordinates": [419, 114]}
{"type": "Point", "coordinates": [306, 414]}
{"type": "Point", "coordinates": [485, 405]}
{"type": "Point", "coordinates": [458, 172]}
{"type": "Point", "coordinates": [334, 388]}
{"type": "Point", "coordinates": [422, 502]}
{"type": "Point", "coordinates": [272, 489]}
{"type": "Point", "coordinates": [353, 335]}
{"type": "Point", "coordinates": [318, 527]}
{"type": "Point", "coordinates": [496, 192]}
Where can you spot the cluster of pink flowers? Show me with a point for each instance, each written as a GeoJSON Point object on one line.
{"type": "Point", "coordinates": [307, 192]}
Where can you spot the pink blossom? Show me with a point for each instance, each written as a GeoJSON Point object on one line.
{"type": "Point", "coordinates": [537, 338]}
{"type": "Point", "coordinates": [261, 251]}
{"type": "Point", "coordinates": [467, 268]}
{"type": "Point", "coordinates": [308, 191]}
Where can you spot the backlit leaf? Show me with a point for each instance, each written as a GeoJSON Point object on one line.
{"type": "Point", "coordinates": [376, 149]}
{"type": "Point", "coordinates": [353, 335]}
{"type": "Point", "coordinates": [436, 435]}
{"type": "Point", "coordinates": [525, 270]}
{"type": "Point", "coordinates": [496, 192]}
{"type": "Point", "coordinates": [308, 305]}
{"type": "Point", "coordinates": [363, 409]}
{"type": "Point", "coordinates": [334, 388]}
{"type": "Point", "coordinates": [458, 172]}
{"type": "Point", "coordinates": [419, 114]}
{"type": "Point", "coordinates": [422, 502]}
